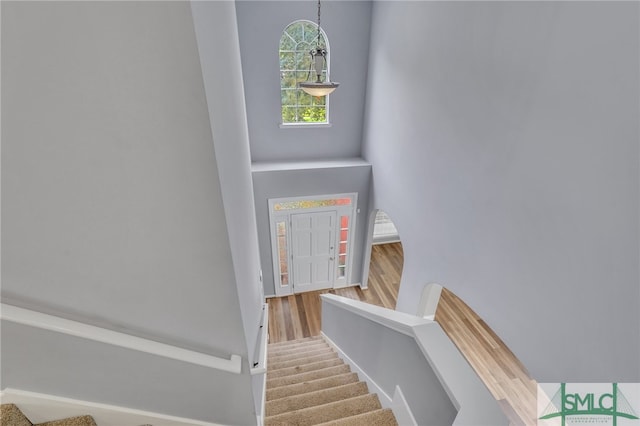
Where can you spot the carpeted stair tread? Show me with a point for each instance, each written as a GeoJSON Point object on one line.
{"type": "Point", "coordinates": [304, 368]}
{"type": "Point", "coordinates": [297, 348]}
{"type": "Point", "coordinates": [311, 386]}
{"type": "Point", "coordinates": [305, 377]}
{"type": "Point", "coordinates": [273, 358]}
{"type": "Point", "coordinates": [383, 417]}
{"type": "Point", "coordinates": [326, 412]}
{"type": "Point", "coordinates": [307, 360]}
{"type": "Point", "coordinates": [295, 342]}
{"type": "Point", "coordinates": [72, 421]}
{"type": "Point", "coordinates": [308, 384]}
{"type": "Point", "coordinates": [10, 415]}
{"type": "Point", "coordinates": [318, 397]}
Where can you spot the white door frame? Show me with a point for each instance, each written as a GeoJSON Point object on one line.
{"type": "Point", "coordinates": [284, 215]}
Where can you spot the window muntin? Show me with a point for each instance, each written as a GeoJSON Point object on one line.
{"type": "Point", "coordinates": [297, 40]}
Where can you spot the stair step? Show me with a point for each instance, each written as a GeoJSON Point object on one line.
{"type": "Point", "coordinates": [383, 417]}
{"type": "Point", "coordinates": [318, 397]}
{"type": "Point", "coordinates": [304, 360]}
{"type": "Point", "coordinates": [326, 412]}
{"type": "Point", "coordinates": [294, 342]}
{"type": "Point", "coordinates": [10, 415]}
{"type": "Point", "coordinates": [72, 421]}
{"type": "Point", "coordinates": [305, 377]}
{"type": "Point", "coordinates": [310, 386]}
{"type": "Point", "coordinates": [320, 344]}
{"type": "Point", "coordinates": [271, 358]}
{"type": "Point", "coordinates": [303, 368]}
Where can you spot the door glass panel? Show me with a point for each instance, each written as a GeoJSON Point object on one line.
{"type": "Point", "coordinates": [344, 222]}
{"type": "Point", "coordinates": [281, 229]}
{"type": "Point", "coordinates": [342, 271]}
{"type": "Point", "coordinates": [343, 246]}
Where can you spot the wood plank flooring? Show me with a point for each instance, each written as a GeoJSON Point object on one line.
{"type": "Point", "coordinates": [298, 316]}
{"type": "Point", "coordinates": [503, 374]}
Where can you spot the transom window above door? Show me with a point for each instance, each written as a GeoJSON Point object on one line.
{"type": "Point", "coordinates": [298, 107]}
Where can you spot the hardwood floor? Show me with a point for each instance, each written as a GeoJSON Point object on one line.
{"type": "Point", "coordinates": [298, 316]}
{"type": "Point", "coordinates": [503, 374]}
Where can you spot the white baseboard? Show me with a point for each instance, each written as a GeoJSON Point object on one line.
{"type": "Point", "coordinates": [385, 400]}
{"type": "Point", "coordinates": [401, 409]}
{"type": "Point", "coordinates": [398, 404]}
{"type": "Point", "coordinates": [346, 285]}
{"type": "Point", "coordinates": [39, 408]}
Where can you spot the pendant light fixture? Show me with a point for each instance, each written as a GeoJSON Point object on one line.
{"type": "Point", "coordinates": [318, 60]}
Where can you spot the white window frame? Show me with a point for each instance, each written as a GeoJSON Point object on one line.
{"type": "Point", "coordinates": [303, 124]}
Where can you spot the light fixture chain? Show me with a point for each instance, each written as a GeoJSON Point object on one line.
{"type": "Point", "coordinates": [318, 38]}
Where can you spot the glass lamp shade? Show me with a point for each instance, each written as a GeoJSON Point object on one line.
{"type": "Point", "coordinates": [318, 88]}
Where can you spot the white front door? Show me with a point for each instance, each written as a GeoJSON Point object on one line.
{"type": "Point", "coordinates": [313, 250]}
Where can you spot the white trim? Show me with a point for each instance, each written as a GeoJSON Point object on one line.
{"type": "Point", "coordinates": [285, 215]}
{"type": "Point", "coordinates": [39, 408]}
{"type": "Point", "coordinates": [401, 409]}
{"type": "Point", "coordinates": [348, 285]}
{"type": "Point", "coordinates": [395, 320]}
{"type": "Point", "coordinates": [429, 300]}
{"type": "Point", "coordinates": [387, 239]}
{"type": "Point", "coordinates": [260, 418]}
{"type": "Point", "coordinates": [262, 351]}
{"type": "Point", "coordinates": [385, 400]}
{"type": "Point", "coordinates": [278, 166]}
{"type": "Point", "coordinates": [305, 125]}
{"type": "Point", "coordinates": [262, 368]}
{"type": "Point", "coordinates": [73, 328]}
{"type": "Point", "coordinates": [368, 247]}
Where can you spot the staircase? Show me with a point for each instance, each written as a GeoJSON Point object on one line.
{"type": "Point", "coordinates": [308, 384]}
{"type": "Point", "coordinates": [10, 415]}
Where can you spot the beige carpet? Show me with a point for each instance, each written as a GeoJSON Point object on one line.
{"type": "Point", "coordinates": [10, 415]}
{"type": "Point", "coordinates": [308, 384]}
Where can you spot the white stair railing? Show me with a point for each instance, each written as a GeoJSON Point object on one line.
{"type": "Point", "coordinates": [380, 344]}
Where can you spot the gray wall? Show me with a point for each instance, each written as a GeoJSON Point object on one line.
{"type": "Point", "coordinates": [513, 174]}
{"type": "Point", "coordinates": [322, 181]}
{"type": "Point", "coordinates": [112, 208]}
{"type": "Point", "coordinates": [217, 35]}
{"type": "Point", "coordinates": [346, 24]}
{"type": "Point", "coordinates": [390, 358]}
{"type": "Point", "coordinates": [82, 369]}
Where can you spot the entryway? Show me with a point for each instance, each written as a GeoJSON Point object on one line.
{"type": "Point", "coordinates": [311, 240]}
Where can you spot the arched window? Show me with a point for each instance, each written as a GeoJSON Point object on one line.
{"type": "Point", "coordinates": [295, 44]}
